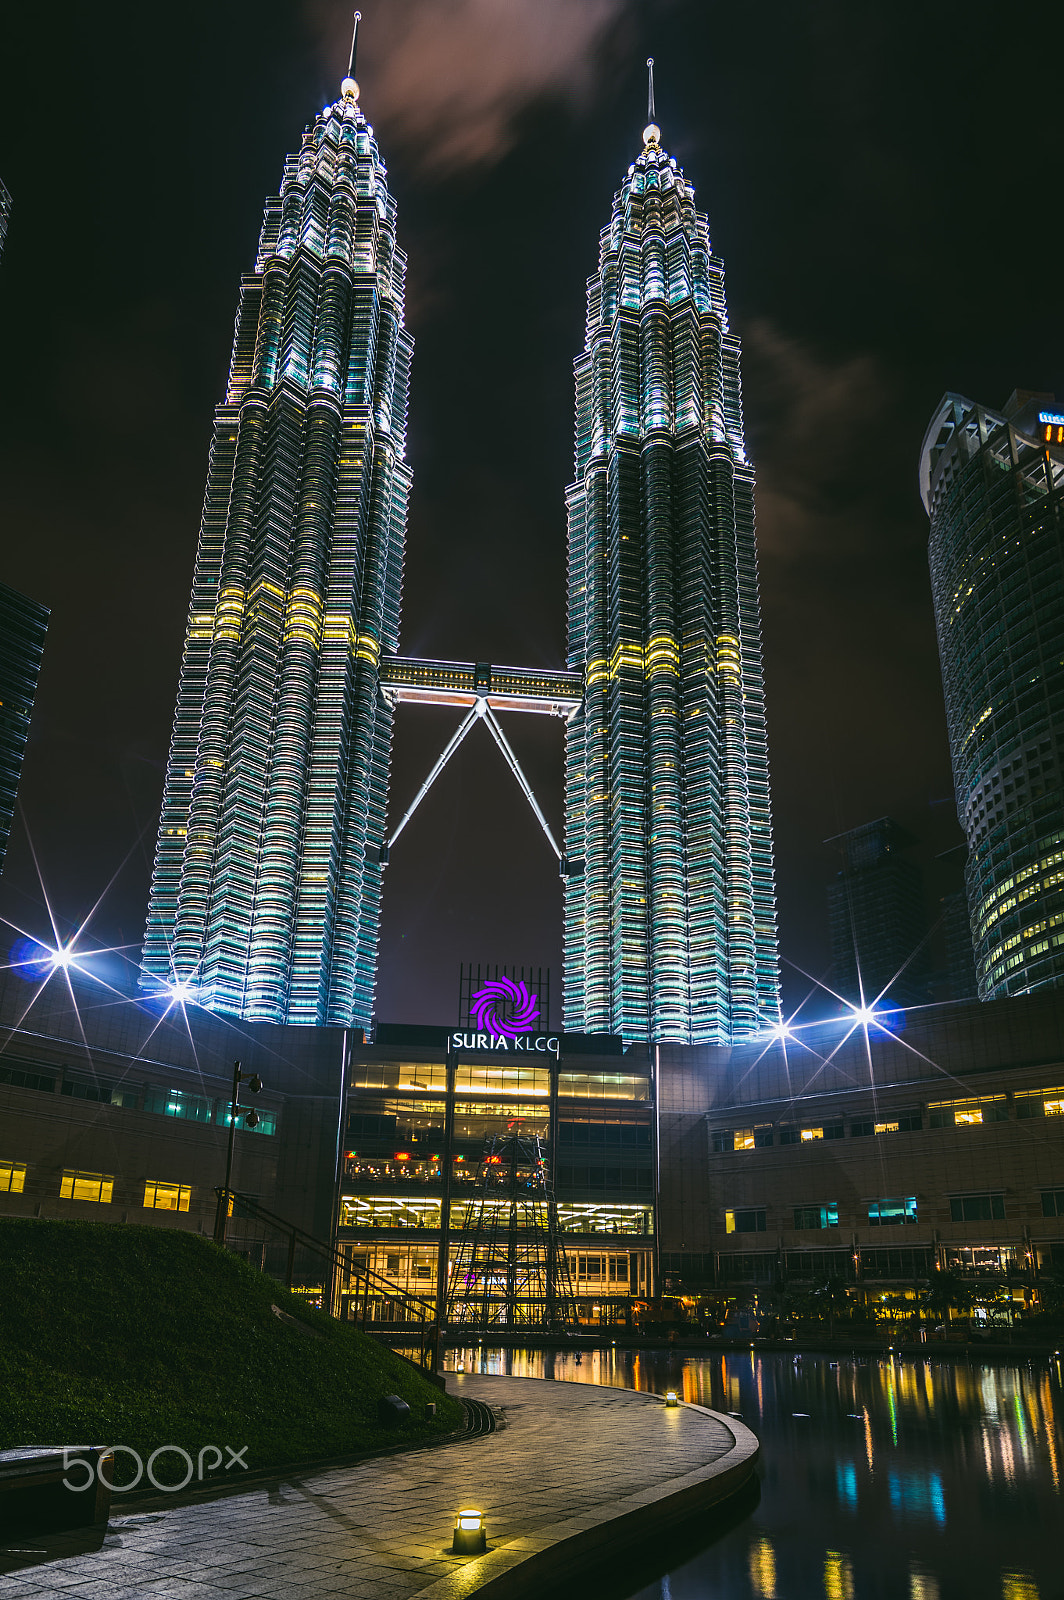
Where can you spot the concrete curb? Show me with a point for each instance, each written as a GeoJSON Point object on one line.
{"type": "Point", "coordinates": [527, 1566]}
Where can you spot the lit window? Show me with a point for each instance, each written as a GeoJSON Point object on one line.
{"type": "Point", "coordinates": [744, 1138]}
{"type": "Point", "coordinates": [96, 1186]}
{"type": "Point", "coordinates": [890, 1213]}
{"type": "Point", "coordinates": [166, 1196]}
{"type": "Point", "coordinates": [886, 1127]}
{"type": "Point", "coordinates": [12, 1177]}
{"type": "Point", "coordinates": [750, 1221]}
{"type": "Point", "coordinates": [1054, 1108]}
{"type": "Point", "coordinates": [811, 1133]}
{"type": "Point", "coordinates": [963, 1118]}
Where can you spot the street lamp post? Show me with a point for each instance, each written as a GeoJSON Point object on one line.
{"type": "Point", "coordinates": [251, 1117]}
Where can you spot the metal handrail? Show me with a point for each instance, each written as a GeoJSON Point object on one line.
{"type": "Point", "coordinates": [336, 1258]}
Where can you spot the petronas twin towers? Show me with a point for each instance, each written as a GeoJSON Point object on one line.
{"type": "Point", "coordinates": [266, 895]}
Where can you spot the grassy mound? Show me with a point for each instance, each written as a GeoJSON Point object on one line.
{"type": "Point", "coordinates": [147, 1337]}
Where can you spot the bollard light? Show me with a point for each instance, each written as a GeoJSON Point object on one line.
{"type": "Point", "coordinates": [671, 1397]}
{"type": "Point", "coordinates": [470, 1537]}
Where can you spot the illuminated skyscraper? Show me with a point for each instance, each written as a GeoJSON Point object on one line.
{"type": "Point", "coordinates": [670, 917]}
{"type": "Point", "coordinates": [265, 901]}
{"type": "Point", "coordinates": [993, 486]}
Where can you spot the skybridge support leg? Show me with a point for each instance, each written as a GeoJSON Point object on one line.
{"type": "Point", "coordinates": [511, 760]}
{"type": "Point", "coordinates": [459, 734]}
{"type": "Point", "coordinates": [475, 713]}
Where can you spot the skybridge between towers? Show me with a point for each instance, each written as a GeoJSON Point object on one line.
{"type": "Point", "coordinates": [483, 690]}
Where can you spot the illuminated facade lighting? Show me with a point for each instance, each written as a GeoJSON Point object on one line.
{"type": "Point", "coordinates": [265, 900]}
{"type": "Point", "coordinates": [670, 912]}
{"type": "Point", "coordinates": [993, 486]}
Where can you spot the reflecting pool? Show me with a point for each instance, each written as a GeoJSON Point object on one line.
{"type": "Point", "coordinates": [881, 1478]}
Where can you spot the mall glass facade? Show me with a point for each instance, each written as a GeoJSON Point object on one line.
{"type": "Point", "coordinates": [416, 1124]}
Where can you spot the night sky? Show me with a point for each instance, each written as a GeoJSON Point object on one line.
{"type": "Point", "coordinates": [883, 185]}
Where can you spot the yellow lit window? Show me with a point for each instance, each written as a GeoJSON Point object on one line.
{"type": "Point", "coordinates": [744, 1139]}
{"type": "Point", "coordinates": [166, 1196]}
{"type": "Point", "coordinates": [12, 1177]}
{"type": "Point", "coordinates": [811, 1133]}
{"type": "Point", "coordinates": [87, 1186]}
{"type": "Point", "coordinates": [961, 1118]}
{"type": "Point", "coordinates": [886, 1127]}
{"type": "Point", "coordinates": [1054, 1108]}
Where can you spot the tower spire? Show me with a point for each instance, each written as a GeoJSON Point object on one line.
{"type": "Point", "coordinates": [651, 133]}
{"type": "Point", "coordinates": [349, 87]}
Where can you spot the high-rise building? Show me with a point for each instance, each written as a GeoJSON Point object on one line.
{"type": "Point", "coordinates": [5, 213]}
{"type": "Point", "coordinates": [957, 932]}
{"type": "Point", "coordinates": [23, 625]}
{"type": "Point", "coordinates": [993, 486]}
{"type": "Point", "coordinates": [670, 918]}
{"type": "Point", "coordinates": [265, 901]}
{"type": "Point", "coordinates": [876, 917]}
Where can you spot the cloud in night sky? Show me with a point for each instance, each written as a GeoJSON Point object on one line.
{"type": "Point", "coordinates": [450, 80]}
{"type": "Point", "coordinates": [816, 423]}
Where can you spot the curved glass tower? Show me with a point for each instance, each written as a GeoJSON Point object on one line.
{"type": "Point", "coordinates": [670, 918]}
{"type": "Point", "coordinates": [265, 900]}
{"type": "Point", "coordinates": [993, 486]}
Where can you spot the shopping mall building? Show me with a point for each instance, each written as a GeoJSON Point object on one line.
{"type": "Point", "coordinates": [880, 1153]}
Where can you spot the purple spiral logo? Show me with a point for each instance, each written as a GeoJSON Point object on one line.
{"type": "Point", "coordinates": [486, 1004]}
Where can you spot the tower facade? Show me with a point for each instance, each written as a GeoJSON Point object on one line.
{"type": "Point", "coordinates": [993, 485]}
{"type": "Point", "coordinates": [876, 917]}
{"type": "Point", "coordinates": [670, 920]}
{"type": "Point", "coordinates": [265, 900]}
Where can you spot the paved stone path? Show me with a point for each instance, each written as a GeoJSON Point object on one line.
{"type": "Point", "coordinates": [568, 1454]}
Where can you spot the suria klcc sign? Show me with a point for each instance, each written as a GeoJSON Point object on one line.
{"type": "Point", "coordinates": [504, 1014]}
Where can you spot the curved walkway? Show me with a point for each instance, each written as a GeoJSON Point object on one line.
{"type": "Point", "coordinates": [573, 1470]}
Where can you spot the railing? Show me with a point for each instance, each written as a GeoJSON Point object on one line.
{"type": "Point", "coordinates": [409, 1310]}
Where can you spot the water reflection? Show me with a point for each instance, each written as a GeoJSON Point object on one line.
{"type": "Point", "coordinates": [881, 1479]}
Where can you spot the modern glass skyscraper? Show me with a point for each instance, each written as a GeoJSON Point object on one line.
{"type": "Point", "coordinates": [265, 901]}
{"type": "Point", "coordinates": [993, 486]}
{"type": "Point", "coordinates": [670, 917]}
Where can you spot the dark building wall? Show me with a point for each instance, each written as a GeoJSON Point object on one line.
{"type": "Point", "coordinates": [97, 1084]}
{"type": "Point", "coordinates": [968, 1147]}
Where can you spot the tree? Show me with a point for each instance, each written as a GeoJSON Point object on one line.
{"type": "Point", "coordinates": [946, 1292]}
{"type": "Point", "coordinates": [1050, 1287]}
{"type": "Point", "coordinates": [831, 1297]}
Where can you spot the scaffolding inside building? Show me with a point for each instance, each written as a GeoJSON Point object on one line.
{"type": "Point", "coordinates": [510, 1268]}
